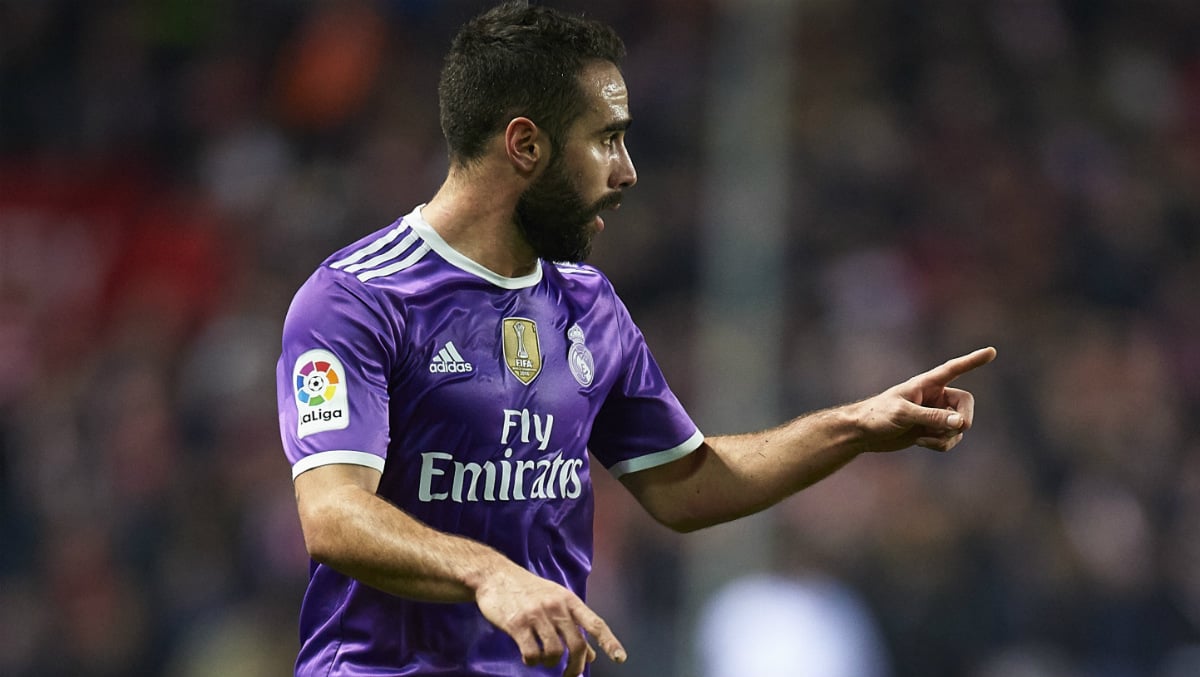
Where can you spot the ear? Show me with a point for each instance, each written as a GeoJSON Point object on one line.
{"type": "Point", "coordinates": [525, 144]}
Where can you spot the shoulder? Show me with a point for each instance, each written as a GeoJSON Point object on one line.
{"type": "Point", "coordinates": [343, 284]}
{"type": "Point", "coordinates": [380, 257]}
{"type": "Point", "coordinates": [580, 277]}
{"type": "Point", "coordinates": [379, 269]}
{"type": "Point", "coordinates": [587, 285]}
{"type": "Point", "coordinates": [584, 270]}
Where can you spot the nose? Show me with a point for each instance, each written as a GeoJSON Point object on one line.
{"type": "Point", "coordinates": [624, 176]}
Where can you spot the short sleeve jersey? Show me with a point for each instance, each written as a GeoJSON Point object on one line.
{"type": "Point", "coordinates": [478, 398]}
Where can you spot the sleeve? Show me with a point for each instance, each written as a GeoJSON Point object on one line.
{"type": "Point", "coordinates": [641, 424]}
{"type": "Point", "coordinates": [332, 376]}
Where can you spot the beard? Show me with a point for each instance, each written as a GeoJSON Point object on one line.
{"type": "Point", "coordinates": [555, 220]}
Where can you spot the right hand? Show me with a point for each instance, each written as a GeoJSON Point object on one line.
{"type": "Point", "coordinates": [545, 619]}
{"type": "Point", "coordinates": [924, 410]}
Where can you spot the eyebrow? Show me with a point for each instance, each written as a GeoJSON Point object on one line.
{"type": "Point", "coordinates": [617, 126]}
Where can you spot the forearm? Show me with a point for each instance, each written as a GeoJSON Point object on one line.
{"type": "Point", "coordinates": [762, 468]}
{"type": "Point", "coordinates": [367, 538]}
{"type": "Point", "coordinates": [736, 475]}
{"type": "Point", "coordinates": [348, 527]}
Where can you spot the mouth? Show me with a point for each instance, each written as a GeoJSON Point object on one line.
{"type": "Point", "coordinates": [610, 203]}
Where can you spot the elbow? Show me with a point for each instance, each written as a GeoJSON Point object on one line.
{"type": "Point", "coordinates": [680, 521]}
{"type": "Point", "coordinates": [331, 501]}
{"type": "Point", "coordinates": [318, 545]}
{"type": "Point", "coordinates": [686, 516]}
{"type": "Point", "coordinates": [681, 512]}
{"type": "Point", "coordinates": [319, 524]}
{"type": "Point", "coordinates": [317, 541]}
{"type": "Point", "coordinates": [684, 526]}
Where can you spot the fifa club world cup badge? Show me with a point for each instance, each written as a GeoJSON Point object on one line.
{"type": "Point", "coordinates": [579, 358]}
{"type": "Point", "coordinates": [522, 352]}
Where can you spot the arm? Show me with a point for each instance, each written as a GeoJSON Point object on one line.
{"type": "Point", "coordinates": [733, 476]}
{"type": "Point", "coordinates": [348, 527]}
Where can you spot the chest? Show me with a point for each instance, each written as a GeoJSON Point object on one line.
{"type": "Point", "coordinates": [504, 369]}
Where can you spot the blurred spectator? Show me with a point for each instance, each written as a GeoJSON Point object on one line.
{"type": "Point", "coordinates": [772, 626]}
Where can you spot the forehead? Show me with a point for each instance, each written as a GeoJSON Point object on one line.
{"type": "Point", "coordinates": [605, 94]}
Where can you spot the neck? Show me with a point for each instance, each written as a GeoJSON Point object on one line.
{"type": "Point", "coordinates": [474, 214]}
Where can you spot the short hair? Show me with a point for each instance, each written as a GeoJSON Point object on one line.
{"type": "Point", "coordinates": [518, 60]}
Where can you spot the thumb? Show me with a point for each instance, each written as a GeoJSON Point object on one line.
{"type": "Point", "coordinates": [937, 419]}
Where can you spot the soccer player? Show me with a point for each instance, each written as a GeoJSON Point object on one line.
{"type": "Point", "coordinates": [443, 379]}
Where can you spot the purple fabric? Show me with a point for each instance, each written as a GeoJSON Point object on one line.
{"type": "Point", "coordinates": [394, 356]}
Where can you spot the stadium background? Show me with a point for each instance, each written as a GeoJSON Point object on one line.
{"type": "Point", "coordinates": [1023, 173]}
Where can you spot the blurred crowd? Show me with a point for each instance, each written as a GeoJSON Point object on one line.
{"type": "Point", "coordinates": [1017, 173]}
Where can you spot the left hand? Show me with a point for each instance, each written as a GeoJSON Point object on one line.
{"type": "Point", "coordinates": [923, 410]}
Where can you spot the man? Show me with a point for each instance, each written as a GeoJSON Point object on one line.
{"type": "Point", "coordinates": [442, 383]}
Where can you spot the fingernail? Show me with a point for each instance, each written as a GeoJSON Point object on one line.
{"type": "Point", "coordinates": [619, 656]}
{"type": "Point", "coordinates": [954, 421]}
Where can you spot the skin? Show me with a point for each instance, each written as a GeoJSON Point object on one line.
{"type": "Point", "coordinates": [473, 210]}
{"type": "Point", "coordinates": [347, 526]}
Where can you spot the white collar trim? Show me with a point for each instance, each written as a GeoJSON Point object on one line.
{"type": "Point", "coordinates": [454, 258]}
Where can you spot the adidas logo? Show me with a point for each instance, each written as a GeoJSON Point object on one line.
{"type": "Point", "coordinates": [448, 361]}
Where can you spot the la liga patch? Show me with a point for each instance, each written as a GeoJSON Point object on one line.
{"type": "Point", "coordinates": [321, 400]}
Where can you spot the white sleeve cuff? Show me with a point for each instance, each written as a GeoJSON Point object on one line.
{"type": "Point", "coordinates": [659, 457]}
{"type": "Point", "coordinates": [337, 456]}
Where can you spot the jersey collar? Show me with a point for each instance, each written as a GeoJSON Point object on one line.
{"type": "Point", "coordinates": [454, 258]}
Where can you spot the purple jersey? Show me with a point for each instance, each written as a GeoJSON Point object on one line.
{"type": "Point", "coordinates": [478, 397]}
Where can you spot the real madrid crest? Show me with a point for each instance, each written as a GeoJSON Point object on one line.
{"type": "Point", "coordinates": [579, 358]}
{"type": "Point", "coordinates": [522, 352]}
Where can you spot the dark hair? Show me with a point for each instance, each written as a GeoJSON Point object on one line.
{"type": "Point", "coordinates": [518, 60]}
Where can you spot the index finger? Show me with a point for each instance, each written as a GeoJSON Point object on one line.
{"type": "Point", "coordinates": [952, 369]}
{"type": "Point", "coordinates": [596, 627]}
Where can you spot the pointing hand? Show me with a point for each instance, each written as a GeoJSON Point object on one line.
{"type": "Point", "coordinates": [923, 410]}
